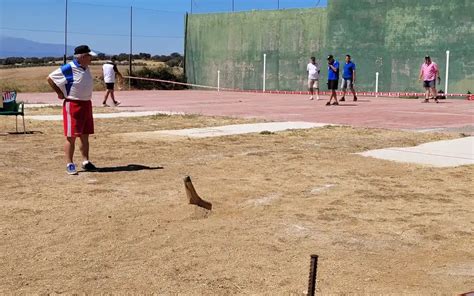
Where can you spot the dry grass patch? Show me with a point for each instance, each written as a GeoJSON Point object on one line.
{"type": "Point", "coordinates": [33, 79]}
{"type": "Point", "coordinates": [378, 226]}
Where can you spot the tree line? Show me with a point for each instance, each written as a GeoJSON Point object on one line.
{"type": "Point", "coordinates": [173, 60]}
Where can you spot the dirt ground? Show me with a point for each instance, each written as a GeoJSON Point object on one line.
{"type": "Point", "coordinates": [378, 226]}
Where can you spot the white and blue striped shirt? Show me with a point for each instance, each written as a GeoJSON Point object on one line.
{"type": "Point", "coordinates": [75, 82]}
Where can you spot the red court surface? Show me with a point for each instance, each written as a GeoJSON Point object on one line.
{"type": "Point", "coordinates": [392, 113]}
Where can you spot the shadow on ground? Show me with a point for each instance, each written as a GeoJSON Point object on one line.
{"type": "Point", "coordinates": [127, 168]}
{"type": "Point", "coordinates": [21, 133]}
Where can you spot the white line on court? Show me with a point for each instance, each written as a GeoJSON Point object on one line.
{"type": "Point", "coordinates": [27, 105]}
{"type": "Point", "coordinates": [432, 113]}
{"type": "Point", "coordinates": [107, 115]}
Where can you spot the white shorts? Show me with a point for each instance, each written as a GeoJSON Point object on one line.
{"type": "Point", "coordinates": [313, 83]}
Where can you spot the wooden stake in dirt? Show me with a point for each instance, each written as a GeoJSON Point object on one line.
{"type": "Point", "coordinates": [193, 197]}
{"type": "Point", "coordinates": [312, 275]}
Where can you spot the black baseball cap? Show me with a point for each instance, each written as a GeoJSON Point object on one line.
{"type": "Point", "coordinates": [427, 57]}
{"type": "Point", "coordinates": [330, 57]}
{"type": "Point", "coordinates": [84, 49]}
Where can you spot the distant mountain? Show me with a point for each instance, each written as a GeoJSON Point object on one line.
{"type": "Point", "coordinates": [19, 47]}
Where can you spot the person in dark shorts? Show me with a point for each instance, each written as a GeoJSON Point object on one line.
{"type": "Point", "coordinates": [110, 70]}
{"type": "Point", "coordinates": [333, 79]}
{"type": "Point", "coordinates": [429, 72]}
{"type": "Point", "coordinates": [348, 77]}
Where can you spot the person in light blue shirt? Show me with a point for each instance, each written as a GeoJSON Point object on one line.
{"type": "Point", "coordinates": [349, 77]}
{"type": "Point", "coordinates": [333, 79]}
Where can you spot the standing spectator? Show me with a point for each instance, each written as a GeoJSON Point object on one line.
{"type": "Point", "coordinates": [429, 72]}
{"type": "Point", "coordinates": [333, 79]}
{"type": "Point", "coordinates": [73, 83]}
{"type": "Point", "coordinates": [348, 77]}
{"type": "Point", "coordinates": [110, 70]}
{"type": "Point", "coordinates": [313, 70]}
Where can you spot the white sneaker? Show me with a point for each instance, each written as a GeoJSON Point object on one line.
{"type": "Point", "coordinates": [117, 103]}
{"type": "Point", "coordinates": [311, 98]}
{"type": "Point", "coordinates": [105, 105]}
{"type": "Point", "coordinates": [71, 169]}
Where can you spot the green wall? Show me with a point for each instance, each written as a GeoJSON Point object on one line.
{"type": "Point", "coordinates": [235, 44]}
{"type": "Point", "coordinates": [385, 36]}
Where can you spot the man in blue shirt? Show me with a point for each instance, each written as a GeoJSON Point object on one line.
{"type": "Point", "coordinates": [333, 79]}
{"type": "Point", "coordinates": [349, 77]}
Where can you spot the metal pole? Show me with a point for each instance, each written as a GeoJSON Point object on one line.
{"type": "Point", "coordinates": [185, 45]}
{"type": "Point", "coordinates": [264, 69]}
{"type": "Point", "coordinates": [191, 6]}
{"type": "Point", "coordinates": [447, 73]}
{"type": "Point", "coordinates": [278, 4]}
{"type": "Point", "coordinates": [376, 84]}
{"type": "Point", "coordinates": [232, 5]}
{"type": "Point", "coordinates": [218, 80]}
{"type": "Point", "coordinates": [130, 55]}
{"type": "Point", "coordinates": [312, 275]}
{"type": "Point", "coordinates": [65, 36]}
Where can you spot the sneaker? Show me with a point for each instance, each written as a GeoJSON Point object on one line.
{"type": "Point", "coordinates": [426, 101]}
{"type": "Point", "coordinates": [311, 98]}
{"type": "Point", "coordinates": [88, 166]}
{"type": "Point", "coordinates": [328, 104]}
{"type": "Point", "coordinates": [71, 169]}
{"type": "Point", "coordinates": [335, 103]}
{"type": "Point", "coordinates": [116, 103]}
{"type": "Point", "coordinates": [105, 105]}
{"type": "Point", "coordinates": [355, 99]}
{"type": "Point", "coordinates": [342, 99]}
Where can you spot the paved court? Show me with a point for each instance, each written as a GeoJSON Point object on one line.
{"type": "Point", "coordinates": [389, 113]}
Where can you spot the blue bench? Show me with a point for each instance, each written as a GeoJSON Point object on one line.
{"type": "Point", "coordinates": [10, 107]}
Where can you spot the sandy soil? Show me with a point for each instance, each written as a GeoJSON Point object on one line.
{"type": "Point", "coordinates": [378, 226]}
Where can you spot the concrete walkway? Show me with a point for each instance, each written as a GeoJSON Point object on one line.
{"type": "Point", "coordinates": [449, 153]}
{"type": "Point", "coordinates": [227, 130]}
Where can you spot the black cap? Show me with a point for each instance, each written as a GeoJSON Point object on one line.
{"type": "Point", "coordinates": [330, 57]}
{"type": "Point", "coordinates": [427, 57]}
{"type": "Point", "coordinates": [84, 49]}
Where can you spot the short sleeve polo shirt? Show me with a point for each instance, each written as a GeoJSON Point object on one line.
{"type": "Point", "coordinates": [349, 69]}
{"type": "Point", "coordinates": [429, 71]}
{"type": "Point", "coordinates": [333, 75]}
{"type": "Point", "coordinates": [75, 82]}
{"type": "Point", "coordinates": [313, 71]}
{"type": "Point", "coordinates": [109, 70]}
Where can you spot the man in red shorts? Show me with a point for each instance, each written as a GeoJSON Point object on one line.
{"type": "Point", "coordinates": [73, 83]}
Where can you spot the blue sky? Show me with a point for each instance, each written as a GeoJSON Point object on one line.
{"type": "Point", "coordinates": [158, 25]}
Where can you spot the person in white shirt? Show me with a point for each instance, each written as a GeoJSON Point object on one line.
{"type": "Point", "coordinates": [313, 70]}
{"type": "Point", "coordinates": [110, 70]}
{"type": "Point", "coordinates": [73, 83]}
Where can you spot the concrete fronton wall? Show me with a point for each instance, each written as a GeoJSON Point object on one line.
{"type": "Point", "coordinates": [385, 36]}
